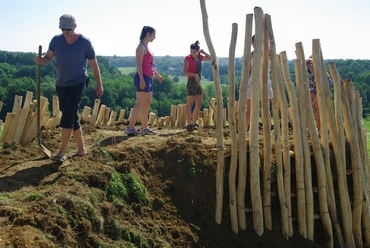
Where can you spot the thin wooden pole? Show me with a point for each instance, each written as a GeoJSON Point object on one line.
{"type": "Point", "coordinates": [319, 71]}
{"type": "Point", "coordinates": [241, 124]}
{"type": "Point", "coordinates": [349, 123]}
{"type": "Point", "coordinates": [365, 176]}
{"type": "Point", "coordinates": [325, 202]}
{"type": "Point", "coordinates": [219, 130]}
{"type": "Point", "coordinates": [301, 201]}
{"type": "Point", "coordinates": [344, 201]}
{"type": "Point", "coordinates": [232, 127]}
{"type": "Point", "coordinates": [302, 104]}
{"type": "Point", "coordinates": [266, 124]}
{"type": "Point", "coordinates": [254, 159]}
{"type": "Point", "coordinates": [275, 69]}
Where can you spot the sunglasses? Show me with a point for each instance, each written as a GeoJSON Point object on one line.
{"type": "Point", "coordinates": [66, 29]}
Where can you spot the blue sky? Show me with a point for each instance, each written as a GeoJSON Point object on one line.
{"type": "Point", "coordinates": [114, 26]}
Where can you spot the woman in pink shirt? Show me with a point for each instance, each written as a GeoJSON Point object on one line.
{"type": "Point", "coordinates": [143, 83]}
{"type": "Point", "coordinates": [193, 69]}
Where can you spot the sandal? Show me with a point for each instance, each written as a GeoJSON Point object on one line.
{"type": "Point", "coordinates": [59, 158]}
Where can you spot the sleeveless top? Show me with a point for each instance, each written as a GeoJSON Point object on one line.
{"type": "Point", "coordinates": [148, 62]}
{"type": "Point", "coordinates": [194, 66]}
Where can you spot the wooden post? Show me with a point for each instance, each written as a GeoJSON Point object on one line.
{"type": "Point", "coordinates": [151, 118]}
{"type": "Point", "coordinates": [180, 116]}
{"type": "Point", "coordinates": [205, 117]}
{"type": "Point", "coordinates": [31, 118]}
{"type": "Point", "coordinates": [241, 123]}
{"type": "Point", "coordinates": [85, 113]}
{"type": "Point", "coordinates": [99, 119]}
{"type": "Point", "coordinates": [335, 132]}
{"type": "Point", "coordinates": [224, 117]}
{"type": "Point", "coordinates": [9, 123]}
{"type": "Point", "coordinates": [160, 122]}
{"type": "Point", "coordinates": [20, 118]}
{"type": "Point", "coordinates": [183, 115]}
{"type": "Point", "coordinates": [254, 158]}
{"type": "Point", "coordinates": [106, 116]}
{"type": "Point", "coordinates": [301, 201]}
{"type": "Point", "coordinates": [112, 118]}
{"type": "Point", "coordinates": [325, 201]}
{"type": "Point", "coordinates": [17, 104]}
{"type": "Point", "coordinates": [121, 116]}
{"type": "Point", "coordinates": [219, 130]}
{"type": "Point", "coordinates": [200, 125]}
{"type": "Point", "coordinates": [56, 106]}
{"type": "Point", "coordinates": [279, 97]}
{"type": "Point", "coordinates": [357, 168]}
{"type": "Point", "coordinates": [341, 165]}
{"type": "Point", "coordinates": [94, 115]}
{"type": "Point", "coordinates": [232, 126]}
{"type": "Point", "coordinates": [266, 124]}
{"type": "Point", "coordinates": [56, 119]}
{"type": "Point", "coordinates": [167, 121]}
{"type": "Point", "coordinates": [173, 115]}
{"type": "Point", "coordinates": [301, 104]}
{"type": "Point", "coordinates": [211, 112]}
{"type": "Point", "coordinates": [365, 177]}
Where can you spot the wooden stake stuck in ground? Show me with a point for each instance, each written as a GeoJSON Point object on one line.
{"type": "Point", "coordinates": [254, 158]}
{"type": "Point", "coordinates": [275, 69]}
{"type": "Point", "coordinates": [232, 128]}
{"type": "Point", "coordinates": [218, 121]}
{"type": "Point", "coordinates": [266, 124]}
{"type": "Point", "coordinates": [301, 198]}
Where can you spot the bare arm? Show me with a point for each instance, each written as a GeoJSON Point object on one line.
{"type": "Point", "coordinates": [44, 60]}
{"type": "Point", "coordinates": [140, 51]}
{"type": "Point", "coordinates": [158, 76]}
{"type": "Point", "coordinates": [96, 71]}
{"type": "Point", "coordinates": [206, 56]}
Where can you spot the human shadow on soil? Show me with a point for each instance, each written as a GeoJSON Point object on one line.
{"type": "Point", "coordinates": [28, 177]}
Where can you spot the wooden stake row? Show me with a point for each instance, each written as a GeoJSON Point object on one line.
{"type": "Point", "coordinates": [20, 124]}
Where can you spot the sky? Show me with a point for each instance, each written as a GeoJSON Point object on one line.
{"type": "Point", "coordinates": [114, 26]}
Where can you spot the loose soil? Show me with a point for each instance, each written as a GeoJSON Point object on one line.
{"type": "Point", "coordinates": [47, 204]}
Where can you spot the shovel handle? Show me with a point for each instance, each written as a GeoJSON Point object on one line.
{"type": "Point", "coordinates": [38, 95]}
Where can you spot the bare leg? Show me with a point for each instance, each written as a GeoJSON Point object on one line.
{"type": "Point", "coordinates": [66, 136]}
{"type": "Point", "coordinates": [189, 104]}
{"type": "Point", "coordinates": [145, 110]}
{"type": "Point", "coordinates": [141, 98]}
{"type": "Point", "coordinates": [198, 103]}
{"type": "Point", "coordinates": [78, 137]}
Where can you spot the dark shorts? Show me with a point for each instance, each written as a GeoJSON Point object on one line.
{"type": "Point", "coordinates": [69, 100]}
{"type": "Point", "coordinates": [148, 83]}
{"type": "Point", "coordinates": [192, 88]}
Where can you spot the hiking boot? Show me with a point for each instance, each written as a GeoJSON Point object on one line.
{"type": "Point", "coordinates": [147, 131]}
{"type": "Point", "coordinates": [130, 131]}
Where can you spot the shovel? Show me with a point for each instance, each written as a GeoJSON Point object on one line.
{"type": "Point", "coordinates": [41, 142]}
{"type": "Point", "coordinates": [208, 100]}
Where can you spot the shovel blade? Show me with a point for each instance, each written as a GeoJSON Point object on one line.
{"type": "Point", "coordinates": [44, 149]}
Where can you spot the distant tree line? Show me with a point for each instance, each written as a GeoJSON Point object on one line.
{"type": "Point", "coordinates": [18, 74]}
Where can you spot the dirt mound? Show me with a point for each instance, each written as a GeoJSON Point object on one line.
{"type": "Point", "coordinates": [145, 191]}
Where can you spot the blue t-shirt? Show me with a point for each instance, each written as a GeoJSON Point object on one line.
{"type": "Point", "coordinates": [71, 59]}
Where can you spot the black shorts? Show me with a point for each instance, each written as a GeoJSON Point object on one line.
{"type": "Point", "coordinates": [69, 100]}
